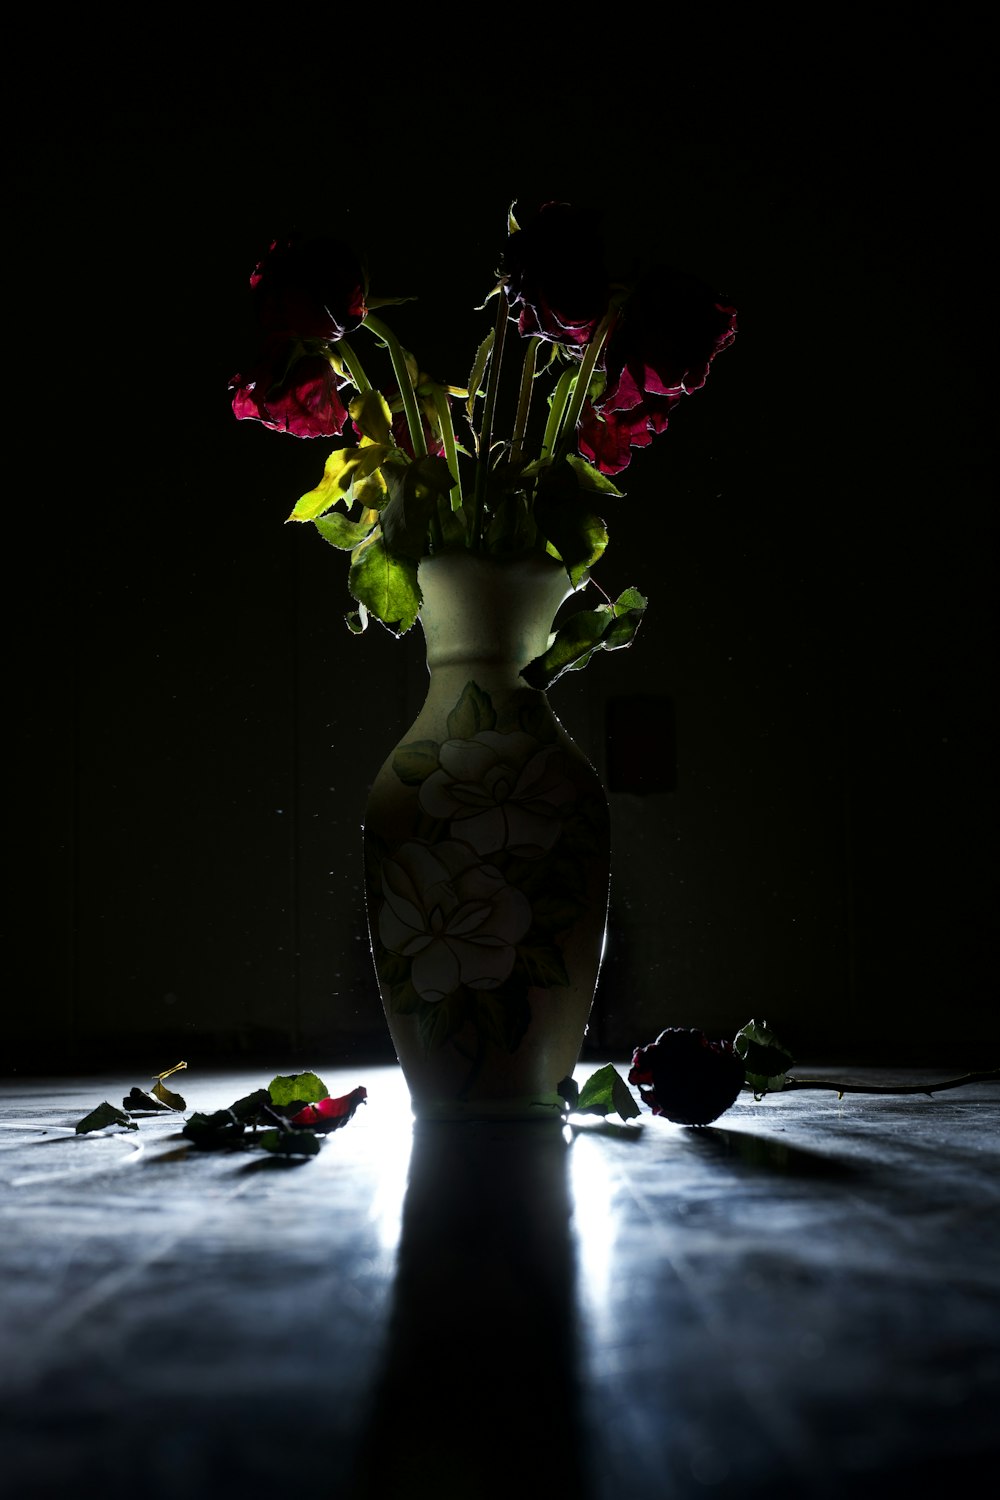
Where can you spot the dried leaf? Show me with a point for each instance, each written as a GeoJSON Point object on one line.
{"type": "Point", "coordinates": [104, 1115]}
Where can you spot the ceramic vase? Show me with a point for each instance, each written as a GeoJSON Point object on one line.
{"type": "Point", "coordinates": [487, 857]}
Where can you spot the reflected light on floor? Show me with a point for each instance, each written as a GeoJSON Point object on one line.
{"type": "Point", "coordinates": [595, 1226]}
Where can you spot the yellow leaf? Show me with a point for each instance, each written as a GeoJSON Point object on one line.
{"type": "Point", "coordinates": [370, 412]}
{"type": "Point", "coordinates": [342, 468]}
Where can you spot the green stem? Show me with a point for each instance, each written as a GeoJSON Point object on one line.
{"type": "Point", "coordinates": [557, 406]}
{"type": "Point", "coordinates": [571, 416]}
{"type": "Point", "coordinates": [346, 354]}
{"type": "Point", "coordinates": [406, 391]}
{"type": "Point", "coordinates": [990, 1075]}
{"type": "Point", "coordinates": [524, 398]}
{"type": "Point", "coordinates": [486, 428]}
{"type": "Point", "coordinates": [443, 408]}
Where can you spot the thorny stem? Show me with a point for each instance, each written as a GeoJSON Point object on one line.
{"type": "Point", "coordinates": [986, 1076]}
{"type": "Point", "coordinates": [406, 391]}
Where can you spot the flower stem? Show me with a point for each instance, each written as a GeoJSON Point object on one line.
{"type": "Point", "coordinates": [443, 408]}
{"type": "Point", "coordinates": [524, 398]}
{"type": "Point", "coordinates": [988, 1075]}
{"type": "Point", "coordinates": [581, 386]}
{"type": "Point", "coordinates": [347, 355]}
{"type": "Point", "coordinates": [486, 426]}
{"type": "Point", "coordinates": [406, 391]}
{"type": "Point", "coordinates": [557, 407]}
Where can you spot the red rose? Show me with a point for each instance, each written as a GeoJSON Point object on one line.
{"type": "Point", "coordinates": [669, 329]}
{"type": "Point", "coordinates": [292, 390]}
{"type": "Point", "coordinates": [554, 276]}
{"type": "Point", "coordinates": [309, 289]}
{"type": "Point", "coordinates": [687, 1078]}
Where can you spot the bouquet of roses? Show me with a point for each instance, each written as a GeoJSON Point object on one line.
{"type": "Point", "coordinates": [419, 466]}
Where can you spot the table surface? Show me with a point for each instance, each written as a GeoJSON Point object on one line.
{"type": "Point", "coordinates": [806, 1293]}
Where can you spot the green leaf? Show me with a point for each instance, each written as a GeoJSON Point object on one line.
{"type": "Point", "coordinates": [605, 1092]}
{"type": "Point", "coordinates": [219, 1131]}
{"type": "Point", "coordinates": [249, 1107]}
{"type": "Point", "coordinates": [591, 479]}
{"type": "Point", "coordinates": [104, 1115]}
{"type": "Point", "coordinates": [765, 1058]}
{"type": "Point", "coordinates": [289, 1142]}
{"type": "Point", "coordinates": [565, 516]}
{"type": "Point", "coordinates": [418, 493]}
{"type": "Point", "coordinates": [343, 466]}
{"type": "Point", "coordinates": [370, 413]}
{"type": "Point", "coordinates": [386, 585]}
{"type": "Point", "coordinates": [137, 1101]}
{"type": "Point", "coordinates": [303, 1088]}
{"type": "Point", "coordinates": [341, 532]}
{"type": "Point", "coordinates": [570, 1091]}
{"type": "Point", "coordinates": [413, 763]}
{"type": "Point", "coordinates": [609, 627]}
{"type": "Point", "coordinates": [473, 711]}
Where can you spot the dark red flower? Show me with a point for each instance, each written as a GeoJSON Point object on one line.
{"type": "Point", "coordinates": [687, 1078]}
{"type": "Point", "coordinates": [292, 390]}
{"type": "Point", "coordinates": [401, 430]}
{"type": "Point", "coordinates": [606, 438]}
{"type": "Point", "coordinates": [309, 289]}
{"type": "Point", "coordinates": [669, 329]}
{"type": "Point", "coordinates": [554, 276]}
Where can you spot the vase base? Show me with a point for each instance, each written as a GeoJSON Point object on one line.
{"type": "Point", "coordinates": [458, 1111]}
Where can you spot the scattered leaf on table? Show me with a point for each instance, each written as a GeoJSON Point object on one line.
{"type": "Point", "coordinates": [297, 1088]}
{"type": "Point", "coordinates": [105, 1114]}
{"type": "Point", "coordinates": [606, 1092]}
{"type": "Point", "coordinates": [569, 1089]}
{"type": "Point", "coordinates": [219, 1131]}
{"type": "Point", "coordinates": [167, 1097]}
{"type": "Point", "coordinates": [138, 1102]}
{"type": "Point", "coordinates": [289, 1142]}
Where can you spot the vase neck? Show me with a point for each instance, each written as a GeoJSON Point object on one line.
{"type": "Point", "coordinates": [488, 614]}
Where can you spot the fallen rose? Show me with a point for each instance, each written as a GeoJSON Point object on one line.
{"type": "Point", "coordinates": [687, 1078]}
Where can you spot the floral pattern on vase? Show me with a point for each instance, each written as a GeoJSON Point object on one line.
{"type": "Point", "coordinates": [474, 905]}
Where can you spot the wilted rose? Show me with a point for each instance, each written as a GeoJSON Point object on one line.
{"type": "Point", "coordinates": [291, 390]}
{"type": "Point", "coordinates": [669, 329]}
{"type": "Point", "coordinates": [309, 289]}
{"type": "Point", "coordinates": [554, 276]}
{"type": "Point", "coordinates": [687, 1078]}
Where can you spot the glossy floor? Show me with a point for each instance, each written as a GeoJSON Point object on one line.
{"type": "Point", "coordinates": [802, 1299]}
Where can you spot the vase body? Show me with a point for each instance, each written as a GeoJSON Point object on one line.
{"type": "Point", "coordinates": [487, 857]}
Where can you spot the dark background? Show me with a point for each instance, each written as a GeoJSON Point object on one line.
{"type": "Point", "coordinates": [193, 729]}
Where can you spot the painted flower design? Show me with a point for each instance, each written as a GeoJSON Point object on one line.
{"type": "Point", "coordinates": [456, 919]}
{"type": "Point", "coordinates": [499, 791]}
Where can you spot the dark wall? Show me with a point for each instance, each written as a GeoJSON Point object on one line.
{"type": "Point", "coordinates": [193, 727]}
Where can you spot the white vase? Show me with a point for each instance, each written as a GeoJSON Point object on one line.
{"type": "Point", "coordinates": [487, 857]}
